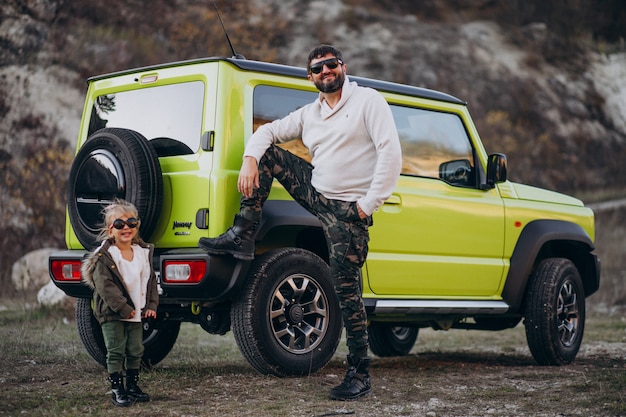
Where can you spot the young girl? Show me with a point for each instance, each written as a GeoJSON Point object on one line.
{"type": "Point", "coordinates": [124, 290]}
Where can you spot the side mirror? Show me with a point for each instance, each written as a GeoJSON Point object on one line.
{"type": "Point", "coordinates": [457, 172]}
{"type": "Point", "coordinates": [496, 169]}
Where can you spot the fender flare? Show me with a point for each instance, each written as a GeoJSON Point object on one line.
{"type": "Point", "coordinates": [533, 239]}
{"type": "Point", "coordinates": [278, 213]}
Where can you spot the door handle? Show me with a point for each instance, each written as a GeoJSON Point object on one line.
{"type": "Point", "coordinates": [393, 200]}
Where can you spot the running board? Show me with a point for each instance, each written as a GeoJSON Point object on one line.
{"type": "Point", "coordinates": [435, 307]}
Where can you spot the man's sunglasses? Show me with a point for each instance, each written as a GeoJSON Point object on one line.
{"type": "Point", "coordinates": [131, 223]}
{"type": "Point", "coordinates": [330, 63]}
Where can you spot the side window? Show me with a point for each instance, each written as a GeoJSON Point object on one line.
{"type": "Point", "coordinates": [434, 145]}
{"type": "Point", "coordinates": [271, 103]}
{"type": "Point", "coordinates": [170, 116]}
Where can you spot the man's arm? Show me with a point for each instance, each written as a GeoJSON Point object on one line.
{"type": "Point", "coordinates": [248, 176]}
{"type": "Point", "coordinates": [384, 134]}
{"type": "Point", "coordinates": [282, 130]}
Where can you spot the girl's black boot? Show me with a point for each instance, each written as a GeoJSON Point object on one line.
{"type": "Point", "coordinates": [118, 394]}
{"type": "Point", "coordinates": [132, 389]}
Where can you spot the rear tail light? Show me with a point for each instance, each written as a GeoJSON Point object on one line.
{"type": "Point", "coordinates": [183, 272]}
{"type": "Point", "coordinates": [66, 270]}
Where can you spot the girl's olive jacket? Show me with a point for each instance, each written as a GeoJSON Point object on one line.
{"type": "Point", "coordinates": [111, 300]}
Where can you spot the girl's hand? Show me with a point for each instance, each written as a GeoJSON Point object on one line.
{"type": "Point", "coordinates": [150, 313]}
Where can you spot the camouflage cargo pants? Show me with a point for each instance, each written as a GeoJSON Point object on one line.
{"type": "Point", "coordinates": [346, 234]}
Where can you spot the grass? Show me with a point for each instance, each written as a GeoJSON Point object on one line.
{"type": "Point", "coordinates": [45, 371]}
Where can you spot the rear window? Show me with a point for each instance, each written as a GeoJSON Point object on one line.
{"type": "Point", "coordinates": [170, 116]}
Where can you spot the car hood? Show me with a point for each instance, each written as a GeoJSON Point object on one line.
{"type": "Point", "coordinates": [526, 192]}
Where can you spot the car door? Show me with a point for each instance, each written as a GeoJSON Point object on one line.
{"type": "Point", "coordinates": [439, 234]}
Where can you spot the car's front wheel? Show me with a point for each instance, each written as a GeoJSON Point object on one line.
{"type": "Point", "coordinates": [555, 312]}
{"type": "Point", "coordinates": [287, 321]}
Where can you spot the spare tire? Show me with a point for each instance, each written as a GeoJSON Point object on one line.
{"type": "Point", "coordinates": [113, 163]}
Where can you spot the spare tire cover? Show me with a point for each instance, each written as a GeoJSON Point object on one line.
{"type": "Point", "coordinates": [113, 163]}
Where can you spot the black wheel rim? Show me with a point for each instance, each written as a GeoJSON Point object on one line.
{"type": "Point", "coordinates": [100, 180]}
{"type": "Point", "coordinates": [298, 314]}
{"type": "Point", "coordinates": [401, 333]}
{"type": "Point", "coordinates": [568, 315]}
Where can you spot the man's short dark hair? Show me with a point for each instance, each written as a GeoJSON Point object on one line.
{"type": "Point", "coordinates": [323, 50]}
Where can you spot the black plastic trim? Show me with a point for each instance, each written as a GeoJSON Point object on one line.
{"type": "Point", "coordinates": [223, 278]}
{"type": "Point", "coordinates": [531, 241]}
{"type": "Point", "coordinates": [72, 289]}
{"type": "Point", "coordinates": [278, 213]}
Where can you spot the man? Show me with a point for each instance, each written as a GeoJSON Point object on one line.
{"type": "Point", "coordinates": [356, 161]}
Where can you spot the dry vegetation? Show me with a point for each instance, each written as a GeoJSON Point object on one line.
{"type": "Point", "coordinates": [32, 204]}
{"type": "Point", "coordinates": [611, 247]}
{"type": "Point", "coordinates": [46, 372]}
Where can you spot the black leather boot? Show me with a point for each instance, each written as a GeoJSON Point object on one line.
{"type": "Point", "coordinates": [132, 389]}
{"type": "Point", "coordinates": [118, 394]}
{"type": "Point", "coordinates": [237, 241]}
{"type": "Point", "coordinates": [356, 384]}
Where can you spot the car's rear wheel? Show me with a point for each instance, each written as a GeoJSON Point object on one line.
{"type": "Point", "coordinates": [287, 321]}
{"type": "Point", "coordinates": [89, 331]}
{"type": "Point", "coordinates": [388, 340]}
{"type": "Point", "coordinates": [555, 312]}
{"type": "Point", "coordinates": [158, 337]}
{"type": "Point", "coordinates": [113, 163]}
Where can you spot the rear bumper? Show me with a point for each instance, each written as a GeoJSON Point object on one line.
{"type": "Point", "coordinates": [72, 287]}
{"type": "Point", "coordinates": [223, 275]}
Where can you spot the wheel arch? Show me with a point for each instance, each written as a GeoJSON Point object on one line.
{"type": "Point", "coordinates": [543, 239]}
{"type": "Point", "coordinates": [271, 341]}
{"type": "Point", "coordinates": [286, 223]}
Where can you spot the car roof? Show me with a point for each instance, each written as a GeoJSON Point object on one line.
{"type": "Point", "coordinates": [279, 69]}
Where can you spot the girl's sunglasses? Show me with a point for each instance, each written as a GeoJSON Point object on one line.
{"type": "Point", "coordinates": [330, 63]}
{"type": "Point", "coordinates": [131, 223]}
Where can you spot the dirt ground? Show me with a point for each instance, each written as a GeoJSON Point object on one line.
{"type": "Point", "coordinates": [44, 370]}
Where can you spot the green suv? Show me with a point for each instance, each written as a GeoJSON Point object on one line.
{"type": "Point", "coordinates": [457, 245]}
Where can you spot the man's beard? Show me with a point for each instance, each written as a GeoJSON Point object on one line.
{"type": "Point", "coordinates": [331, 87]}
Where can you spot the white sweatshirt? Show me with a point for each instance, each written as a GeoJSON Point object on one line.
{"type": "Point", "coordinates": [136, 274]}
{"type": "Point", "coordinates": [356, 154]}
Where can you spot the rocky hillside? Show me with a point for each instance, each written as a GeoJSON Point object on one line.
{"type": "Point", "coordinates": [546, 81]}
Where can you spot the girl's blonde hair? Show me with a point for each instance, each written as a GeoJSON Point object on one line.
{"type": "Point", "coordinates": [114, 211]}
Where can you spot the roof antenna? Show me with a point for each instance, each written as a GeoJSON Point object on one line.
{"type": "Point", "coordinates": [235, 54]}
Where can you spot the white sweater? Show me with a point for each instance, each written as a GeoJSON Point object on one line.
{"type": "Point", "coordinates": [356, 154]}
{"type": "Point", "coordinates": [136, 274]}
